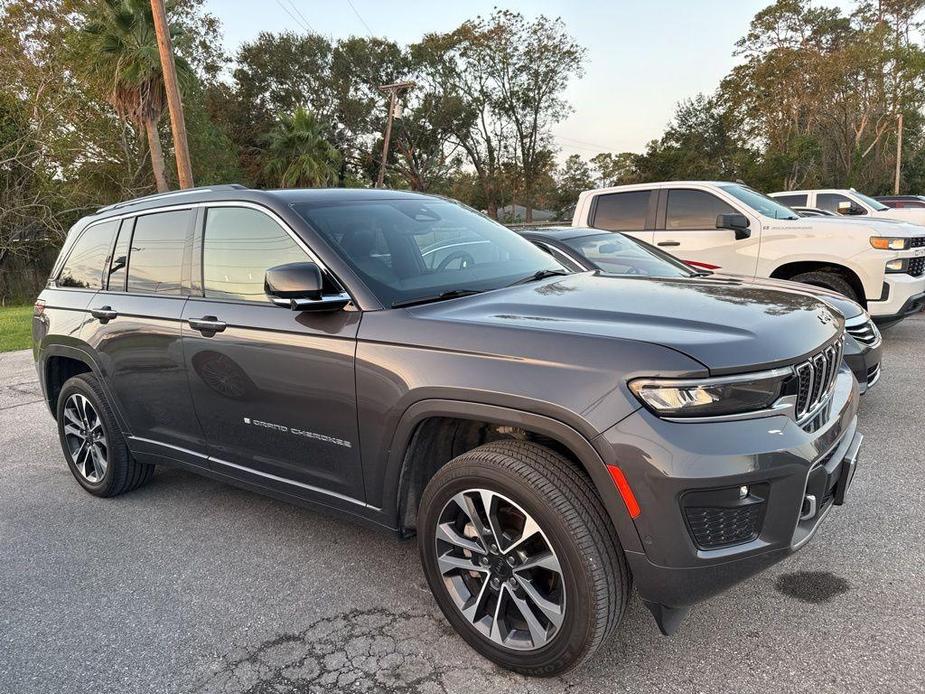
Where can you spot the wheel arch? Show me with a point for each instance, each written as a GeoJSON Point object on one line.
{"type": "Point", "coordinates": [58, 363]}
{"type": "Point", "coordinates": [432, 432]}
{"type": "Point", "coordinates": [794, 268]}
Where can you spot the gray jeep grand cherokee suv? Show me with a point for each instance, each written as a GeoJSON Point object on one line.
{"type": "Point", "coordinates": [551, 438]}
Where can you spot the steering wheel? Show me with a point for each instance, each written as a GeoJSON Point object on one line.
{"type": "Point", "coordinates": [464, 257]}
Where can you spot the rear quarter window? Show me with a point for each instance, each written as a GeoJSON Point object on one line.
{"type": "Point", "coordinates": [87, 259]}
{"type": "Point", "coordinates": [621, 211]}
{"type": "Point", "coordinates": [156, 258]}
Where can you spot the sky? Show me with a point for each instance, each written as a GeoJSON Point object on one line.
{"type": "Point", "coordinates": [643, 57]}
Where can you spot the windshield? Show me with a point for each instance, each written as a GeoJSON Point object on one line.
{"type": "Point", "coordinates": [616, 254]}
{"type": "Point", "coordinates": [414, 248]}
{"type": "Point", "coordinates": [869, 201]}
{"type": "Point", "coordinates": [762, 204]}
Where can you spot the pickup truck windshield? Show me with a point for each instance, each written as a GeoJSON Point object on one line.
{"type": "Point", "coordinates": [410, 249]}
{"type": "Point", "coordinates": [762, 204]}
{"type": "Point", "coordinates": [869, 201]}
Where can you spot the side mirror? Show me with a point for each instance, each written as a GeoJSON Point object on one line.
{"type": "Point", "coordinates": [737, 222]}
{"type": "Point", "coordinates": [299, 286]}
{"type": "Point", "coordinates": [849, 208]}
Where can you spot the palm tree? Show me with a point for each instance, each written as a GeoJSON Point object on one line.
{"type": "Point", "coordinates": [298, 153]}
{"type": "Point", "coordinates": [120, 45]}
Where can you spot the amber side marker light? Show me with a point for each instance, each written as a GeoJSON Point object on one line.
{"type": "Point", "coordinates": [616, 474]}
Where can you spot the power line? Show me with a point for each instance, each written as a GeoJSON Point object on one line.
{"type": "Point", "coordinates": [585, 142]}
{"type": "Point", "coordinates": [304, 18]}
{"type": "Point", "coordinates": [360, 17]}
{"type": "Point", "coordinates": [293, 17]}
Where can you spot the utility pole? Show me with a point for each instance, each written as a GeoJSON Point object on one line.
{"type": "Point", "coordinates": [174, 104]}
{"type": "Point", "coordinates": [393, 90]}
{"type": "Point", "coordinates": [899, 151]}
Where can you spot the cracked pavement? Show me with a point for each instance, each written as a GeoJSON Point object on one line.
{"type": "Point", "coordinates": [189, 585]}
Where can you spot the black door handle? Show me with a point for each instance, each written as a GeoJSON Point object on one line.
{"type": "Point", "coordinates": [104, 314]}
{"type": "Point", "coordinates": [669, 243]}
{"type": "Point", "coordinates": [207, 325]}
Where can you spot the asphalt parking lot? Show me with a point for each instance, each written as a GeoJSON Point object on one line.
{"type": "Point", "coordinates": [189, 585]}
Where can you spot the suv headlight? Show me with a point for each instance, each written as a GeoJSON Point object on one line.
{"type": "Point", "coordinates": [889, 243]}
{"type": "Point", "coordinates": [711, 397]}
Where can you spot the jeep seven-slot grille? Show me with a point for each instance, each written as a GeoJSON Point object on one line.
{"type": "Point", "coordinates": [864, 332]}
{"type": "Point", "coordinates": [816, 376]}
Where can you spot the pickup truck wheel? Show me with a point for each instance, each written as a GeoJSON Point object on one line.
{"type": "Point", "coordinates": [92, 443]}
{"type": "Point", "coordinates": [828, 280]}
{"type": "Point", "coordinates": [521, 557]}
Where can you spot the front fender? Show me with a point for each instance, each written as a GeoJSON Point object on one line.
{"type": "Point", "coordinates": [580, 446]}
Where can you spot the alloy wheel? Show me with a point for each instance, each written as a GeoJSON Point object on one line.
{"type": "Point", "coordinates": [500, 569]}
{"type": "Point", "coordinates": [85, 438]}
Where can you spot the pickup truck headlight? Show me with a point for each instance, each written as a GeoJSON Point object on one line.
{"type": "Point", "coordinates": [889, 243]}
{"type": "Point", "coordinates": [711, 397]}
{"type": "Point", "coordinates": [898, 265]}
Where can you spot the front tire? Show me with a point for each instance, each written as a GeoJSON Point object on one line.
{"type": "Point", "coordinates": [828, 279]}
{"type": "Point", "coordinates": [521, 557]}
{"type": "Point", "coordinates": [92, 442]}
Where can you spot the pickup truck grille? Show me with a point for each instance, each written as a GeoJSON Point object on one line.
{"type": "Point", "coordinates": [816, 376]}
{"type": "Point", "coordinates": [917, 242]}
{"type": "Point", "coordinates": [864, 330]}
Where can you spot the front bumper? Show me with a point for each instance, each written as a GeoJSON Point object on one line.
{"type": "Point", "coordinates": [902, 296]}
{"type": "Point", "coordinates": [864, 363]}
{"type": "Point", "coordinates": [664, 461]}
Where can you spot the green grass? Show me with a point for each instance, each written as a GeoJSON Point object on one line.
{"type": "Point", "coordinates": [15, 327]}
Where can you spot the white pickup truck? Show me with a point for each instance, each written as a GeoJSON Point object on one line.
{"type": "Point", "coordinates": [736, 230]}
{"type": "Point", "coordinates": [848, 203]}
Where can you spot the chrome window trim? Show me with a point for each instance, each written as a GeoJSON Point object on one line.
{"type": "Point", "coordinates": [226, 203]}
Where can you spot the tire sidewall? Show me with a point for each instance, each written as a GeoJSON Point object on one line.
{"type": "Point", "coordinates": [569, 644]}
{"type": "Point", "coordinates": [79, 385]}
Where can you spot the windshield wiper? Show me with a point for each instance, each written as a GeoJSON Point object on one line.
{"type": "Point", "coordinates": [452, 294]}
{"type": "Point", "coordinates": [540, 275]}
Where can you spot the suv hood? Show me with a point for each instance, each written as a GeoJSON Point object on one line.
{"type": "Point", "coordinates": [725, 324]}
{"type": "Point", "coordinates": [845, 306]}
{"type": "Point", "coordinates": [903, 214]}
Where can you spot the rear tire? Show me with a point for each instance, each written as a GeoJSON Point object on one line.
{"type": "Point", "coordinates": [92, 442]}
{"type": "Point", "coordinates": [828, 279]}
{"type": "Point", "coordinates": [589, 584]}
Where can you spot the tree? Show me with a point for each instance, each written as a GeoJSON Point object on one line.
{"type": "Point", "coordinates": [573, 177]}
{"type": "Point", "coordinates": [298, 155]}
{"type": "Point", "coordinates": [615, 169]}
{"type": "Point", "coordinates": [530, 64]}
{"type": "Point", "coordinates": [120, 48]}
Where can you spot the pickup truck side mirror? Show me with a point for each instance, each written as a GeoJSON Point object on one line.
{"type": "Point", "coordinates": [299, 286]}
{"type": "Point", "coordinates": [849, 208]}
{"type": "Point", "coordinates": [737, 222]}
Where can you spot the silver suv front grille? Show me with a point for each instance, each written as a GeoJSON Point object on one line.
{"type": "Point", "coordinates": [816, 377]}
{"type": "Point", "coordinates": [863, 330]}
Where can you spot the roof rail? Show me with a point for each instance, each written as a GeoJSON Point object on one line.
{"type": "Point", "coordinates": [172, 193]}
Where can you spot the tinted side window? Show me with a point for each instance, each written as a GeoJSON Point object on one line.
{"type": "Point", "coordinates": [792, 200]}
{"type": "Point", "coordinates": [240, 245]}
{"type": "Point", "coordinates": [119, 260]}
{"type": "Point", "coordinates": [156, 258]}
{"type": "Point", "coordinates": [829, 201]}
{"type": "Point", "coordinates": [85, 263]}
{"type": "Point", "coordinates": [694, 209]}
{"type": "Point", "coordinates": [622, 211]}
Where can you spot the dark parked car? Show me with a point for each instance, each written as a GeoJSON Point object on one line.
{"type": "Point", "coordinates": [552, 438]}
{"type": "Point", "coordinates": [583, 249]}
{"type": "Point", "coordinates": [901, 200]}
